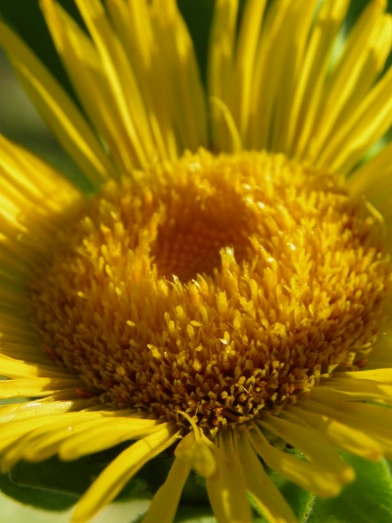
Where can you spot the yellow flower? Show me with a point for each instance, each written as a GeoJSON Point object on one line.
{"type": "Point", "coordinates": [226, 291]}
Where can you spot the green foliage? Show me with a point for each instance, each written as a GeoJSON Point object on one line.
{"type": "Point", "coordinates": [55, 486]}
{"type": "Point", "coordinates": [198, 16]}
{"type": "Point", "coordinates": [367, 500]}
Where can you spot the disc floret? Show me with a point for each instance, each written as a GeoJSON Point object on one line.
{"type": "Point", "coordinates": [218, 286]}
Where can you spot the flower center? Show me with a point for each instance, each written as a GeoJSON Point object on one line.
{"type": "Point", "coordinates": [217, 286]}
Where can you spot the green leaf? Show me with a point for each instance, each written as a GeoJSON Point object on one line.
{"type": "Point", "coordinates": [300, 500]}
{"type": "Point", "coordinates": [36, 497]}
{"type": "Point", "coordinates": [56, 485]}
{"type": "Point", "coordinates": [198, 16]}
{"type": "Point", "coordinates": [368, 499]}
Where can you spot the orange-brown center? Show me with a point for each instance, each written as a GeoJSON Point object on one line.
{"type": "Point", "coordinates": [217, 286]}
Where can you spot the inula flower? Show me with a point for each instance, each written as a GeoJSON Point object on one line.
{"type": "Point", "coordinates": [225, 292]}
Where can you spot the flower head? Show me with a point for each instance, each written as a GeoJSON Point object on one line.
{"type": "Point", "coordinates": [224, 292]}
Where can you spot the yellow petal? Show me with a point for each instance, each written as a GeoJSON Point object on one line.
{"type": "Point", "coordinates": [264, 492]}
{"type": "Point", "coordinates": [371, 119]}
{"type": "Point", "coordinates": [32, 210]}
{"type": "Point", "coordinates": [220, 67]}
{"type": "Point", "coordinates": [381, 355]}
{"type": "Point", "coordinates": [67, 437]}
{"type": "Point", "coordinates": [165, 502]}
{"type": "Point", "coordinates": [378, 415]}
{"type": "Point", "coordinates": [373, 178]}
{"type": "Point", "coordinates": [84, 68]}
{"type": "Point", "coordinates": [313, 74]}
{"type": "Point", "coordinates": [268, 71]}
{"type": "Point", "coordinates": [248, 40]}
{"type": "Point", "coordinates": [376, 53]}
{"type": "Point", "coordinates": [300, 472]}
{"type": "Point", "coordinates": [122, 83]}
{"type": "Point", "coordinates": [33, 409]}
{"type": "Point", "coordinates": [379, 375]}
{"type": "Point", "coordinates": [106, 434]}
{"type": "Point", "coordinates": [36, 387]}
{"type": "Point", "coordinates": [110, 482]}
{"type": "Point", "coordinates": [354, 387]}
{"type": "Point", "coordinates": [33, 180]}
{"type": "Point", "coordinates": [366, 420]}
{"type": "Point", "coordinates": [187, 101]}
{"type": "Point", "coordinates": [340, 434]}
{"type": "Point", "coordinates": [65, 120]}
{"type": "Point", "coordinates": [13, 368]}
{"type": "Point", "coordinates": [227, 487]}
{"type": "Point", "coordinates": [22, 429]}
{"type": "Point", "coordinates": [197, 455]}
{"type": "Point", "coordinates": [343, 80]}
{"type": "Point", "coordinates": [282, 77]}
{"type": "Point", "coordinates": [311, 443]}
{"type": "Point", "coordinates": [133, 23]}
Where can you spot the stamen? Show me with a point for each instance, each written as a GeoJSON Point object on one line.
{"type": "Point", "coordinates": [213, 288]}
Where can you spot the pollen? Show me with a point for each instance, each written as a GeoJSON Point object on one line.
{"type": "Point", "coordinates": [216, 286]}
